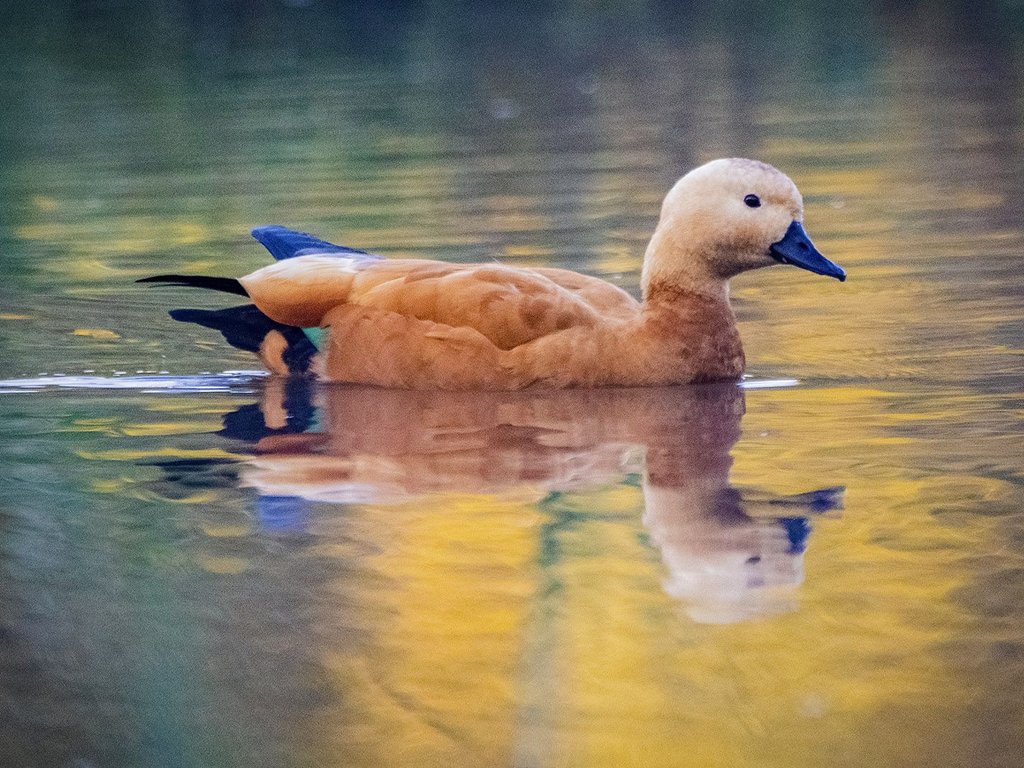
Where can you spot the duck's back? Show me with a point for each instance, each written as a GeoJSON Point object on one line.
{"type": "Point", "coordinates": [508, 306]}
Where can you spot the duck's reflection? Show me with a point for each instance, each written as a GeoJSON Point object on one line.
{"type": "Point", "coordinates": [729, 555]}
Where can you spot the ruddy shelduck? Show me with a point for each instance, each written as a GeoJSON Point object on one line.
{"type": "Point", "coordinates": [417, 324]}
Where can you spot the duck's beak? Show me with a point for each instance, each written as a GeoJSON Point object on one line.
{"type": "Point", "coordinates": [797, 249]}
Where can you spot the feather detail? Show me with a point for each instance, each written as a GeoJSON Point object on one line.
{"type": "Point", "coordinates": [508, 306]}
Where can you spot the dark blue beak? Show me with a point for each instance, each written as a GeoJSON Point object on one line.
{"type": "Point", "coordinates": [797, 249]}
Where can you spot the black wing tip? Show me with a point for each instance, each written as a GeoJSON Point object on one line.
{"type": "Point", "coordinates": [189, 315]}
{"type": "Point", "coordinates": [222, 284]}
{"type": "Point", "coordinates": [245, 327]}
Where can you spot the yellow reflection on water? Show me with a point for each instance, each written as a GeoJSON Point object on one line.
{"type": "Point", "coordinates": [572, 579]}
{"type": "Point", "coordinates": [555, 621]}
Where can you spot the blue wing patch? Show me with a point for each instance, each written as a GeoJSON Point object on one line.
{"type": "Point", "coordinates": [284, 243]}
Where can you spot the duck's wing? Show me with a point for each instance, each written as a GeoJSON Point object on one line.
{"type": "Point", "coordinates": [284, 243]}
{"type": "Point", "coordinates": [508, 306]}
{"type": "Point", "coordinates": [610, 300]}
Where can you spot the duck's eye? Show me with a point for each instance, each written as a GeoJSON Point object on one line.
{"type": "Point", "coordinates": [753, 201]}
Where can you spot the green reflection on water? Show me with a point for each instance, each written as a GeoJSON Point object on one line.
{"type": "Point", "coordinates": [155, 611]}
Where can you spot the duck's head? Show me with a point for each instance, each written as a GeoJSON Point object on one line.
{"type": "Point", "coordinates": [726, 217]}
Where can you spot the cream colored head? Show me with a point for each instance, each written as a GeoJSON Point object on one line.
{"type": "Point", "coordinates": [726, 217]}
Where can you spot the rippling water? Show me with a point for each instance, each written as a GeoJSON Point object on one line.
{"type": "Point", "coordinates": [202, 566]}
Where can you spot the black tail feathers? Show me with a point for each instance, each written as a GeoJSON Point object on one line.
{"type": "Point", "coordinates": [247, 328]}
{"type": "Point", "coordinates": [223, 284]}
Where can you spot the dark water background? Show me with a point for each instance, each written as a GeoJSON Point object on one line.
{"type": "Point", "coordinates": [208, 570]}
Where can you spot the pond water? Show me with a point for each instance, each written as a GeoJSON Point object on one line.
{"type": "Point", "coordinates": [202, 566]}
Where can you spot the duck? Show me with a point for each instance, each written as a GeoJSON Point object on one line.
{"type": "Point", "coordinates": [341, 314]}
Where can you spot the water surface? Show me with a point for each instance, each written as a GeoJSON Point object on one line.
{"type": "Point", "coordinates": [202, 566]}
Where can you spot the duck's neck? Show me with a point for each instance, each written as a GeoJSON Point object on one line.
{"type": "Point", "coordinates": [697, 329]}
{"type": "Point", "coordinates": [688, 309]}
{"type": "Point", "coordinates": [709, 310]}
{"type": "Point", "coordinates": [668, 265]}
